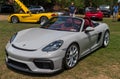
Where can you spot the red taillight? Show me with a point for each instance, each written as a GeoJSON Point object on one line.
{"type": "Point", "coordinates": [53, 15]}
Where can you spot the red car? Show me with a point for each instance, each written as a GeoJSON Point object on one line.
{"type": "Point", "coordinates": [93, 13]}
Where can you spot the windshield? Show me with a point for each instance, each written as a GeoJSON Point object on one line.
{"type": "Point", "coordinates": [63, 24]}
{"type": "Point", "coordinates": [104, 7]}
{"type": "Point", "coordinates": [91, 9]}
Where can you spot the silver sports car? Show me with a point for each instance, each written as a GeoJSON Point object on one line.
{"type": "Point", "coordinates": [57, 44]}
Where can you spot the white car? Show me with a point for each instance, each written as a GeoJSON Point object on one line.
{"type": "Point", "coordinates": [57, 44]}
{"type": "Point", "coordinates": [36, 9]}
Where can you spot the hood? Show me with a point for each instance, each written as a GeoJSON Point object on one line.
{"type": "Point", "coordinates": [36, 38]}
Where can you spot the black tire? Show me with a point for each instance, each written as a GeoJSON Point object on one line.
{"type": "Point", "coordinates": [100, 19]}
{"type": "Point", "coordinates": [108, 16]}
{"type": "Point", "coordinates": [71, 56]}
{"type": "Point", "coordinates": [14, 19]}
{"type": "Point", "coordinates": [43, 19]}
{"type": "Point", "coordinates": [106, 39]}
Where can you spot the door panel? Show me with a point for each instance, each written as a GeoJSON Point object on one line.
{"type": "Point", "coordinates": [84, 42]}
{"type": "Point", "coordinates": [88, 40]}
{"type": "Point", "coordinates": [93, 37]}
{"type": "Point", "coordinates": [29, 17]}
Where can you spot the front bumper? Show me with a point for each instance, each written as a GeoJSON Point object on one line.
{"type": "Point", "coordinates": [95, 16]}
{"type": "Point", "coordinates": [106, 12]}
{"type": "Point", "coordinates": [39, 68]}
{"type": "Point", "coordinates": [33, 64]}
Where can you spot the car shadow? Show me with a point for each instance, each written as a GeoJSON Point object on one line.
{"type": "Point", "coordinates": [26, 23]}
{"type": "Point", "coordinates": [36, 74]}
{"type": "Point", "coordinates": [89, 54]}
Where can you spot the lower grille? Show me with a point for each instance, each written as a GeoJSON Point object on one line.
{"type": "Point", "coordinates": [19, 65]}
{"type": "Point", "coordinates": [44, 64]}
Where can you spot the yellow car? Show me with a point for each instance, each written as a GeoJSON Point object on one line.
{"type": "Point", "coordinates": [29, 17]}
{"type": "Point", "coordinates": [118, 17]}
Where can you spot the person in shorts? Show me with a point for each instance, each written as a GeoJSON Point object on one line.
{"type": "Point", "coordinates": [72, 10]}
{"type": "Point", "coordinates": [115, 12]}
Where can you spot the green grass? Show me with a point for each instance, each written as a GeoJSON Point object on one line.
{"type": "Point", "coordinates": [101, 64]}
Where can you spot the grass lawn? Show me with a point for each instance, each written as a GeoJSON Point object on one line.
{"type": "Point", "coordinates": [101, 64]}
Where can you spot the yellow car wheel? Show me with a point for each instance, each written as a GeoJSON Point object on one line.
{"type": "Point", "coordinates": [14, 19]}
{"type": "Point", "coordinates": [43, 19]}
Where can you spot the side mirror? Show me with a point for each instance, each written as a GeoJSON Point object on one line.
{"type": "Point", "coordinates": [89, 29]}
{"type": "Point", "coordinates": [28, 12]}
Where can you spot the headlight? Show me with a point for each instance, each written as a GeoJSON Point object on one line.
{"type": "Point", "coordinates": [13, 37]}
{"type": "Point", "coordinates": [53, 46]}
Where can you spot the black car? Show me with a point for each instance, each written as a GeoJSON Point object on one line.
{"type": "Point", "coordinates": [106, 10]}
{"type": "Point", "coordinates": [7, 8]}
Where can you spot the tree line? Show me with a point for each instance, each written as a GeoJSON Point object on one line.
{"type": "Point", "coordinates": [65, 3]}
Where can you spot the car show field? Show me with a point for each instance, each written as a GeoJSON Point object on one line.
{"type": "Point", "coordinates": [101, 64]}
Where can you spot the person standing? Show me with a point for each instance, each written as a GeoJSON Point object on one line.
{"type": "Point", "coordinates": [72, 10]}
{"type": "Point", "coordinates": [115, 12]}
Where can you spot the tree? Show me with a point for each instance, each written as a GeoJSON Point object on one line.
{"type": "Point", "coordinates": [2, 1]}
{"type": "Point", "coordinates": [65, 3]}
{"type": "Point", "coordinates": [96, 3]}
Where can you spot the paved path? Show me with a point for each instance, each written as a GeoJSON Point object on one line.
{"type": "Point", "coordinates": [3, 17]}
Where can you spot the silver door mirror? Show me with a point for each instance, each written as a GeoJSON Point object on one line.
{"type": "Point", "coordinates": [89, 29]}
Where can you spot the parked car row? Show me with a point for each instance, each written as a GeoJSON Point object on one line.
{"type": "Point", "coordinates": [93, 13]}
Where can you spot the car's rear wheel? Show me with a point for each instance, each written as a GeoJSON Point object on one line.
{"type": "Point", "coordinates": [118, 19]}
{"type": "Point", "coordinates": [14, 19]}
{"type": "Point", "coordinates": [106, 39]}
{"type": "Point", "coordinates": [71, 56]}
{"type": "Point", "coordinates": [43, 19]}
{"type": "Point", "coordinates": [108, 15]}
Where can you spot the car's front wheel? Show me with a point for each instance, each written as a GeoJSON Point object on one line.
{"type": "Point", "coordinates": [14, 19]}
{"type": "Point", "coordinates": [106, 39]}
{"type": "Point", "coordinates": [71, 56]}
